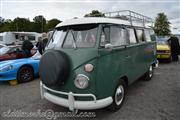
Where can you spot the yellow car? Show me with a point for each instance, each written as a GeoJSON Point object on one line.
{"type": "Point", "coordinates": [163, 50]}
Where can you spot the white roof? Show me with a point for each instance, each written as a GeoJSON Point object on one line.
{"type": "Point", "coordinates": [90, 20]}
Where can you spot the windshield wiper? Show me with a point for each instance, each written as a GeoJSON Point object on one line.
{"type": "Point", "coordinates": [74, 43]}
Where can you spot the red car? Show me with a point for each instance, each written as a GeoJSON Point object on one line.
{"type": "Point", "coordinates": [12, 52]}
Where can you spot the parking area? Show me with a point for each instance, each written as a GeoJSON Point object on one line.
{"type": "Point", "coordinates": [158, 99]}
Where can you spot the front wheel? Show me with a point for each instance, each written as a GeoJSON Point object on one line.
{"type": "Point", "coordinates": [149, 74]}
{"type": "Point", "coordinates": [118, 96]}
{"type": "Point", "coordinates": [25, 74]}
{"type": "Point", "coordinates": [169, 59]}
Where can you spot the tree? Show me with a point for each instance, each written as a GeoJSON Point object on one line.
{"type": "Point", "coordinates": [5, 25]}
{"type": "Point", "coordinates": [20, 24]}
{"type": "Point", "coordinates": [162, 25]}
{"type": "Point", "coordinates": [94, 13]}
{"type": "Point", "coordinates": [51, 24]}
{"type": "Point", "coordinates": [1, 20]}
{"type": "Point", "coordinates": [39, 24]}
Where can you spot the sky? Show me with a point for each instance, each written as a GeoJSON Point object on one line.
{"type": "Point", "coordinates": [67, 9]}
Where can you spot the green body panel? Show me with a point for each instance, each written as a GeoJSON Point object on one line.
{"type": "Point", "coordinates": [131, 61]}
{"type": "Point", "coordinates": [78, 58]}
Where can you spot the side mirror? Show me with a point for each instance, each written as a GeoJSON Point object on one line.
{"type": "Point", "coordinates": [109, 46]}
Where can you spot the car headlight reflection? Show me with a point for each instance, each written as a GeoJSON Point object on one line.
{"type": "Point", "coordinates": [6, 68]}
{"type": "Point", "coordinates": [81, 81]}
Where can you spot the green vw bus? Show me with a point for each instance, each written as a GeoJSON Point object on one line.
{"type": "Point", "coordinates": [89, 62]}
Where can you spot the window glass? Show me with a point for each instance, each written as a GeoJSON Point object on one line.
{"type": "Point", "coordinates": [74, 36]}
{"type": "Point", "coordinates": [131, 35]}
{"type": "Point", "coordinates": [114, 35]}
{"type": "Point", "coordinates": [31, 38]}
{"type": "Point", "coordinates": [140, 35]}
{"type": "Point", "coordinates": [105, 36]}
{"type": "Point", "coordinates": [57, 38]}
{"type": "Point", "coordinates": [86, 38]}
{"type": "Point", "coordinates": [69, 40]}
{"type": "Point", "coordinates": [147, 35]}
{"type": "Point", "coordinates": [81, 36]}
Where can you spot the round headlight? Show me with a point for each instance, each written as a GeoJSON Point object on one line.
{"type": "Point", "coordinates": [81, 81]}
{"type": "Point", "coordinates": [88, 67]}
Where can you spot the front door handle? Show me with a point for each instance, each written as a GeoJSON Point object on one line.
{"type": "Point", "coordinates": [128, 56]}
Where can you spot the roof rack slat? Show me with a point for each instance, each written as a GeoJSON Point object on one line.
{"type": "Point", "coordinates": [130, 16]}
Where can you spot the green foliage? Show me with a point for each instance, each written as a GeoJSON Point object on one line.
{"type": "Point", "coordinates": [94, 13]}
{"type": "Point", "coordinates": [162, 25]}
{"type": "Point", "coordinates": [5, 25]}
{"type": "Point", "coordinates": [20, 24]}
{"type": "Point", "coordinates": [39, 24]}
{"type": "Point", "coordinates": [51, 24]}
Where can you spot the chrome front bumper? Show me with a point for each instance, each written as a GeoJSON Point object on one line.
{"type": "Point", "coordinates": [71, 103]}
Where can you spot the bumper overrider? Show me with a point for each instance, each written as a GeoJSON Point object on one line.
{"type": "Point", "coordinates": [71, 103]}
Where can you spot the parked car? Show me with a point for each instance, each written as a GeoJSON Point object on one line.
{"type": "Point", "coordinates": [20, 70]}
{"type": "Point", "coordinates": [13, 52]}
{"type": "Point", "coordinates": [163, 49]}
{"type": "Point", "coordinates": [89, 62]}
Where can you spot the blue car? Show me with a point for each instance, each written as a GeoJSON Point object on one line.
{"type": "Point", "coordinates": [21, 70]}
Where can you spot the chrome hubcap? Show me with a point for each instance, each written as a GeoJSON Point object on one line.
{"type": "Point", "coordinates": [150, 71]}
{"type": "Point", "coordinates": [119, 96]}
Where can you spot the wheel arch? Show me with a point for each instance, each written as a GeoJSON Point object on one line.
{"type": "Point", "coordinates": [125, 79]}
{"type": "Point", "coordinates": [122, 78]}
{"type": "Point", "coordinates": [26, 65]}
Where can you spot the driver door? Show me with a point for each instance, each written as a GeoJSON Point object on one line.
{"type": "Point", "coordinates": [114, 60]}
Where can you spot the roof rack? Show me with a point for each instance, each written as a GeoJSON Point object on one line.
{"type": "Point", "coordinates": [130, 16]}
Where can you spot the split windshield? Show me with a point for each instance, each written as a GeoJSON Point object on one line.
{"type": "Point", "coordinates": [75, 36]}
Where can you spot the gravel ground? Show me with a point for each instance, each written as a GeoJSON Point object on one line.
{"type": "Point", "coordinates": [158, 99]}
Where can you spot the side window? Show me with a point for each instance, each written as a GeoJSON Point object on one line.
{"type": "Point", "coordinates": [114, 35]}
{"type": "Point", "coordinates": [140, 35]}
{"type": "Point", "coordinates": [147, 35]}
{"type": "Point", "coordinates": [105, 36]}
{"type": "Point", "coordinates": [131, 36]}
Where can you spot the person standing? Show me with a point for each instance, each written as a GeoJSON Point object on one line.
{"type": "Point", "coordinates": [175, 48]}
{"type": "Point", "coordinates": [26, 47]}
{"type": "Point", "coordinates": [40, 45]}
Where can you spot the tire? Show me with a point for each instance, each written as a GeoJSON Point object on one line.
{"type": "Point", "coordinates": [149, 74]}
{"type": "Point", "coordinates": [54, 68]}
{"type": "Point", "coordinates": [169, 60]}
{"type": "Point", "coordinates": [118, 100]}
{"type": "Point", "coordinates": [25, 74]}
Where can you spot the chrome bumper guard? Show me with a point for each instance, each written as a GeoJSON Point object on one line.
{"type": "Point", "coordinates": [71, 103]}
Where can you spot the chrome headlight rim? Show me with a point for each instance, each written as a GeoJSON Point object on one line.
{"type": "Point", "coordinates": [6, 68]}
{"type": "Point", "coordinates": [86, 81]}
